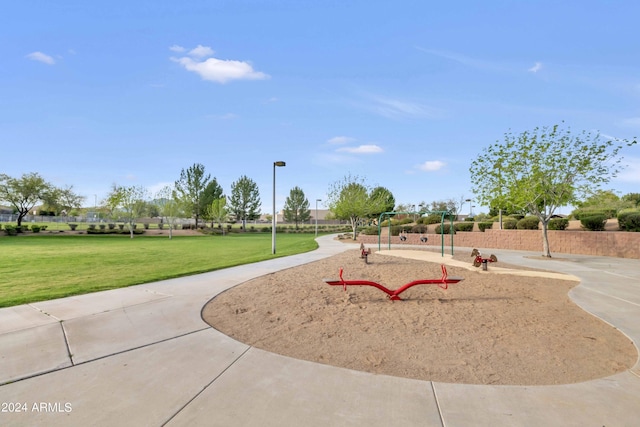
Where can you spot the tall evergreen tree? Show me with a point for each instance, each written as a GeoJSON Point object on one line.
{"type": "Point", "coordinates": [244, 202]}
{"type": "Point", "coordinates": [190, 189]}
{"type": "Point", "coordinates": [296, 207]}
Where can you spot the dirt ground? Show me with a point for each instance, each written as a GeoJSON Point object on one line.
{"type": "Point", "coordinates": [487, 329]}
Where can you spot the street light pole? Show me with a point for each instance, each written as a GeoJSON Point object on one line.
{"type": "Point", "coordinates": [469, 200]}
{"type": "Point", "coordinates": [317, 200]}
{"type": "Point", "coordinates": [273, 220]}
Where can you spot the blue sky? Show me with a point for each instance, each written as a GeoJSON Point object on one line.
{"type": "Point", "coordinates": [403, 93]}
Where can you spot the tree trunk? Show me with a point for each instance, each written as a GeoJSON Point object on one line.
{"type": "Point", "coordinates": [354, 226]}
{"type": "Point", "coordinates": [545, 239]}
{"type": "Point", "coordinates": [21, 216]}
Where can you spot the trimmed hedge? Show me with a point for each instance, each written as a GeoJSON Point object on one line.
{"type": "Point", "coordinates": [594, 222]}
{"type": "Point", "coordinates": [528, 223]}
{"type": "Point", "coordinates": [583, 213]}
{"type": "Point", "coordinates": [629, 220]}
{"type": "Point", "coordinates": [484, 225]}
{"type": "Point", "coordinates": [447, 229]}
{"type": "Point", "coordinates": [558, 224]}
{"type": "Point", "coordinates": [509, 224]}
{"type": "Point", "coordinates": [463, 226]}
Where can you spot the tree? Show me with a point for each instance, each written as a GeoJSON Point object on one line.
{"type": "Point", "coordinates": [169, 207]}
{"type": "Point", "coordinates": [190, 189]}
{"type": "Point", "coordinates": [61, 200]}
{"type": "Point", "coordinates": [541, 170]}
{"type": "Point", "coordinates": [212, 192]}
{"type": "Point", "coordinates": [245, 200]}
{"type": "Point", "coordinates": [296, 207]}
{"type": "Point", "coordinates": [350, 199]}
{"type": "Point", "coordinates": [387, 199]}
{"type": "Point", "coordinates": [632, 198]}
{"type": "Point", "coordinates": [130, 201]}
{"type": "Point", "coordinates": [23, 193]}
{"type": "Point", "coordinates": [218, 211]}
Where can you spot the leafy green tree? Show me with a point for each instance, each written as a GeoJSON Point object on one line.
{"type": "Point", "coordinates": [541, 170]}
{"type": "Point", "coordinates": [245, 200]}
{"type": "Point", "coordinates": [169, 207]}
{"type": "Point", "coordinates": [350, 199]}
{"type": "Point", "coordinates": [190, 189]}
{"type": "Point", "coordinates": [218, 212]}
{"type": "Point", "coordinates": [633, 199]}
{"type": "Point", "coordinates": [213, 191]}
{"type": "Point", "coordinates": [387, 199]}
{"type": "Point", "coordinates": [62, 199]}
{"type": "Point", "coordinates": [296, 207]}
{"type": "Point", "coordinates": [130, 201]}
{"type": "Point", "coordinates": [23, 193]}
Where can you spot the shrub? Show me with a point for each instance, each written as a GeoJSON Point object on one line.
{"type": "Point", "coordinates": [509, 224]}
{"type": "Point", "coordinates": [111, 226]}
{"type": "Point", "coordinates": [419, 228]}
{"type": "Point", "coordinates": [484, 225]}
{"type": "Point", "coordinates": [405, 221]}
{"type": "Point", "coordinates": [582, 213]}
{"type": "Point", "coordinates": [594, 222]}
{"type": "Point", "coordinates": [447, 229]}
{"type": "Point", "coordinates": [102, 226]}
{"type": "Point", "coordinates": [558, 224]}
{"type": "Point", "coordinates": [92, 226]}
{"type": "Point", "coordinates": [464, 226]}
{"type": "Point", "coordinates": [370, 231]}
{"type": "Point", "coordinates": [386, 222]}
{"type": "Point", "coordinates": [629, 220]}
{"type": "Point", "coordinates": [11, 230]}
{"type": "Point", "coordinates": [161, 226]}
{"type": "Point", "coordinates": [265, 229]}
{"type": "Point", "coordinates": [528, 223]}
{"type": "Point", "coordinates": [35, 228]}
{"type": "Point", "coordinates": [73, 226]}
{"type": "Point", "coordinates": [431, 219]}
{"type": "Point", "coordinates": [146, 225]}
{"type": "Point", "coordinates": [469, 219]}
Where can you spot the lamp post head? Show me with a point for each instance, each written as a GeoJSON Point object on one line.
{"type": "Point", "coordinates": [279, 164]}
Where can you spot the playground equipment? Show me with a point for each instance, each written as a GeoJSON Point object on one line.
{"type": "Point", "coordinates": [364, 253]}
{"type": "Point", "coordinates": [443, 214]}
{"type": "Point", "coordinates": [478, 260]}
{"type": "Point", "coordinates": [394, 295]}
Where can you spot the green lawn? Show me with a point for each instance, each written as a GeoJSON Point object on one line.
{"type": "Point", "coordinates": [37, 268]}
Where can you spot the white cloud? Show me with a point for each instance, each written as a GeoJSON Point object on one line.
{"type": "Point", "coordinates": [537, 67]}
{"type": "Point", "coordinates": [362, 149]}
{"type": "Point", "coordinates": [176, 48]}
{"type": "Point", "coordinates": [218, 70]}
{"type": "Point", "coordinates": [201, 51]}
{"type": "Point", "coordinates": [41, 57]}
{"type": "Point", "coordinates": [397, 109]}
{"type": "Point", "coordinates": [340, 140]}
{"type": "Point", "coordinates": [464, 60]}
{"type": "Point", "coordinates": [631, 121]}
{"type": "Point", "coordinates": [431, 165]}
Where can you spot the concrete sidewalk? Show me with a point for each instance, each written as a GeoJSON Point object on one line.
{"type": "Point", "coordinates": [143, 356]}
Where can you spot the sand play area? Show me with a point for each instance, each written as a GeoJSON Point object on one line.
{"type": "Point", "coordinates": [507, 325]}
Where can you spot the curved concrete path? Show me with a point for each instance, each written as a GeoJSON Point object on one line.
{"type": "Point", "coordinates": [142, 356]}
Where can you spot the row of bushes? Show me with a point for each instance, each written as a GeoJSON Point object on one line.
{"type": "Point", "coordinates": [13, 230]}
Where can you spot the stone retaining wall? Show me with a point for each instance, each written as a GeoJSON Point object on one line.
{"type": "Point", "coordinates": [619, 244]}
